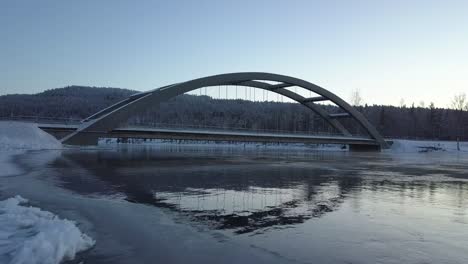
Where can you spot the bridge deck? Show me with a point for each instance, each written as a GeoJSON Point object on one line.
{"type": "Point", "coordinates": [240, 133]}
{"type": "Point", "coordinates": [210, 135]}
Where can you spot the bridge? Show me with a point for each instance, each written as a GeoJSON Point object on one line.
{"type": "Point", "coordinates": [125, 133]}
{"type": "Point", "coordinates": [109, 121]}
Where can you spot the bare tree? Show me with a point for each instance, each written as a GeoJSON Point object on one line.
{"type": "Point", "coordinates": [402, 103]}
{"type": "Point", "coordinates": [356, 98]}
{"type": "Point", "coordinates": [459, 102]}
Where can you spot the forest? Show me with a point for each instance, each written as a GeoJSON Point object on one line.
{"type": "Point", "coordinates": [77, 102]}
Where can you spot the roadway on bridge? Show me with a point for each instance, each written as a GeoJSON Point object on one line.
{"type": "Point", "coordinates": [213, 135]}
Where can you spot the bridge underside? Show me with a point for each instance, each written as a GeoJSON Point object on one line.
{"type": "Point", "coordinates": [355, 143]}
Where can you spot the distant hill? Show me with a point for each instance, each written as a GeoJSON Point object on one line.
{"type": "Point", "coordinates": [78, 102]}
{"type": "Point", "coordinates": [69, 102]}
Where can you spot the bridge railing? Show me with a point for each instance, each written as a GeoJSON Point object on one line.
{"type": "Point", "coordinates": [231, 129]}
{"type": "Point", "coordinates": [42, 120]}
{"type": "Point", "coordinates": [197, 128]}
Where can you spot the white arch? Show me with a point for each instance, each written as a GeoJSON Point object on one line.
{"type": "Point", "coordinates": [111, 117]}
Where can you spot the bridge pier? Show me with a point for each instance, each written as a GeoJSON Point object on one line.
{"type": "Point", "coordinates": [364, 148]}
{"type": "Point", "coordinates": [84, 139]}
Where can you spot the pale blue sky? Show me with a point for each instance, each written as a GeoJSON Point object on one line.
{"type": "Point", "coordinates": [416, 50]}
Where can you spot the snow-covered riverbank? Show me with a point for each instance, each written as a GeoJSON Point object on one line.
{"type": "Point", "coordinates": [26, 136]}
{"type": "Point", "coordinates": [423, 146]}
{"type": "Point", "coordinates": [29, 234]}
{"type": "Point", "coordinates": [398, 146]}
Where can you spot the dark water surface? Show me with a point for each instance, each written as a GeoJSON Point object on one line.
{"type": "Point", "coordinates": [192, 205]}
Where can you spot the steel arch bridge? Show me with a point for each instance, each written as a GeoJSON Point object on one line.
{"type": "Point", "coordinates": [112, 117]}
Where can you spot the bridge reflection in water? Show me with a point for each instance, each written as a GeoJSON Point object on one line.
{"type": "Point", "coordinates": [249, 192]}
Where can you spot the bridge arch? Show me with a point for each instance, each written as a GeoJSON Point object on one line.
{"type": "Point", "coordinates": [111, 117]}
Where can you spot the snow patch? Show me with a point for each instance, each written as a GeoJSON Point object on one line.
{"type": "Point", "coordinates": [31, 235]}
{"type": "Point", "coordinates": [18, 135]}
{"type": "Point", "coordinates": [427, 146]}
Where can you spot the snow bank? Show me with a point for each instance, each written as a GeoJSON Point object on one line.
{"type": "Point", "coordinates": [427, 146]}
{"type": "Point", "coordinates": [30, 235]}
{"type": "Point", "coordinates": [18, 135]}
{"type": "Point", "coordinates": [219, 144]}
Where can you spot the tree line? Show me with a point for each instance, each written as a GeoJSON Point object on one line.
{"type": "Point", "coordinates": [78, 102]}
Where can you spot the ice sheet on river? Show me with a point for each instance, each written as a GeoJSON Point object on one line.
{"type": "Point", "coordinates": [31, 235]}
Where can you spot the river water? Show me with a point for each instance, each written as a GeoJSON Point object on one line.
{"type": "Point", "coordinates": [221, 205]}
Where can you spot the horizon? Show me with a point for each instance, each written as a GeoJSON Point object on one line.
{"type": "Point", "coordinates": [258, 99]}
{"type": "Point", "coordinates": [411, 51]}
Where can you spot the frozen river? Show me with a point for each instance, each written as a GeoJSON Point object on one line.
{"type": "Point", "coordinates": [201, 205]}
